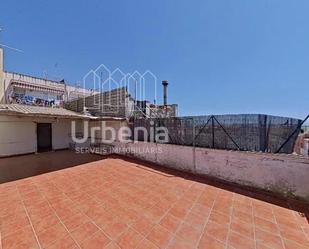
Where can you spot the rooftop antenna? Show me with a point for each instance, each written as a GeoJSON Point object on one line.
{"type": "Point", "coordinates": [9, 47]}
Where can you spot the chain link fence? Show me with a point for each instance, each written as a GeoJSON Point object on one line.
{"type": "Point", "coordinates": [247, 132]}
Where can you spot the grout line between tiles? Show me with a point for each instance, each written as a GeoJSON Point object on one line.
{"type": "Point", "coordinates": [46, 199]}
{"type": "Point", "coordinates": [28, 216]}
{"type": "Point", "coordinates": [207, 220]}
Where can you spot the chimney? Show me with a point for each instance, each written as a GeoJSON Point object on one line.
{"type": "Point", "coordinates": [165, 84]}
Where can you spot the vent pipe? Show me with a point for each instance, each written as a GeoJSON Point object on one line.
{"type": "Point", "coordinates": [165, 84]}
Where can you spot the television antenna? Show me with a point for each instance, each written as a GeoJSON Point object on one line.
{"type": "Point", "coordinates": [9, 47]}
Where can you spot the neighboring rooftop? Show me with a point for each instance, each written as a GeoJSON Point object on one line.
{"type": "Point", "coordinates": [28, 110]}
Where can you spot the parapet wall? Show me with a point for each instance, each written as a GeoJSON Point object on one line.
{"type": "Point", "coordinates": [287, 175]}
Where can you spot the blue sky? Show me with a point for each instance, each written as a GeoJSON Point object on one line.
{"type": "Point", "coordinates": [220, 56]}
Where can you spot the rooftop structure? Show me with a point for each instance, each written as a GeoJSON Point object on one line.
{"type": "Point", "coordinates": [38, 111]}
{"type": "Point", "coordinates": [119, 103]}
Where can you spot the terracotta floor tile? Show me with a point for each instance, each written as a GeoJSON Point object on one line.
{"type": "Point", "coordinates": [96, 212]}
{"type": "Point", "coordinates": [129, 239]}
{"type": "Point", "coordinates": [219, 218]}
{"type": "Point", "coordinates": [223, 207]}
{"type": "Point", "coordinates": [195, 220]}
{"type": "Point", "coordinates": [200, 210]}
{"type": "Point", "coordinates": [15, 224]}
{"type": "Point", "coordinates": [217, 231]}
{"type": "Point", "coordinates": [63, 243]}
{"type": "Point", "coordinates": [170, 222]}
{"type": "Point", "coordinates": [18, 216]}
{"type": "Point", "coordinates": [164, 205]}
{"type": "Point", "coordinates": [160, 236]}
{"type": "Point", "coordinates": [285, 222]}
{"type": "Point", "coordinates": [245, 217]}
{"type": "Point", "coordinates": [22, 238]}
{"type": "Point", "coordinates": [266, 225]}
{"type": "Point", "coordinates": [265, 214]}
{"type": "Point", "coordinates": [243, 228]}
{"type": "Point", "coordinates": [243, 207]}
{"type": "Point", "coordinates": [293, 245]}
{"type": "Point", "coordinates": [154, 214]}
{"type": "Point", "coordinates": [51, 234]}
{"type": "Point", "coordinates": [130, 216]}
{"type": "Point", "coordinates": [46, 222]}
{"type": "Point", "coordinates": [65, 213]}
{"type": "Point", "coordinates": [206, 201]}
{"type": "Point", "coordinates": [306, 231]}
{"type": "Point", "coordinates": [39, 214]}
{"type": "Point", "coordinates": [296, 235]}
{"type": "Point", "coordinates": [96, 241]}
{"type": "Point", "coordinates": [189, 233]}
{"type": "Point", "coordinates": [112, 245]}
{"type": "Point", "coordinates": [143, 226]}
{"type": "Point", "coordinates": [75, 221]}
{"type": "Point", "coordinates": [261, 246]}
{"type": "Point", "coordinates": [237, 241]}
{"type": "Point", "coordinates": [83, 232]}
{"type": "Point", "coordinates": [179, 243]}
{"type": "Point", "coordinates": [267, 239]}
{"type": "Point", "coordinates": [208, 242]}
{"type": "Point", "coordinates": [105, 218]}
{"type": "Point", "coordinates": [146, 244]}
{"type": "Point", "coordinates": [179, 211]}
{"type": "Point", "coordinates": [115, 229]}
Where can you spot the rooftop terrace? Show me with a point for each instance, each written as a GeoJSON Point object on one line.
{"type": "Point", "coordinates": [120, 203]}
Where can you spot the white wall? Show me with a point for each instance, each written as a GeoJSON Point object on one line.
{"type": "Point", "coordinates": [2, 86]}
{"type": "Point", "coordinates": [287, 175]}
{"type": "Point", "coordinates": [18, 134]}
{"type": "Point", "coordinates": [60, 134]}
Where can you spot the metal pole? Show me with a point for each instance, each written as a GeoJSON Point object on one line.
{"type": "Point", "coordinates": [213, 131]}
{"type": "Point", "coordinates": [292, 134]}
{"type": "Point", "coordinates": [201, 130]}
{"type": "Point", "coordinates": [227, 133]}
{"type": "Point", "coordinates": [193, 135]}
{"type": "Point", "coordinates": [193, 132]}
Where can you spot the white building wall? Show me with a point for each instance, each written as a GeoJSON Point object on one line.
{"type": "Point", "coordinates": [18, 134]}
{"type": "Point", "coordinates": [60, 134]}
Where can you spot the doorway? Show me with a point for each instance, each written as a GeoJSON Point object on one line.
{"type": "Point", "coordinates": [44, 137]}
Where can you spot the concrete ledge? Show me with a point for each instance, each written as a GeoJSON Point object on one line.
{"type": "Point", "coordinates": [286, 175]}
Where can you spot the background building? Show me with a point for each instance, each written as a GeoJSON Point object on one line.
{"type": "Point", "coordinates": [29, 90]}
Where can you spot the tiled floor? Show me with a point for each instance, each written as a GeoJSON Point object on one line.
{"type": "Point", "coordinates": [12, 168]}
{"type": "Point", "coordinates": [114, 203]}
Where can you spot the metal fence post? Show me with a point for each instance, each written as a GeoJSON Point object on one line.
{"type": "Point", "coordinates": [213, 131]}
{"type": "Point", "coordinates": [293, 133]}
{"type": "Point", "coordinates": [193, 142]}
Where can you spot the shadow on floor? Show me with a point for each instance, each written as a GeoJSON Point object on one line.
{"type": "Point", "coordinates": [18, 167]}
{"type": "Point", "coordinates": [263, 195]}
